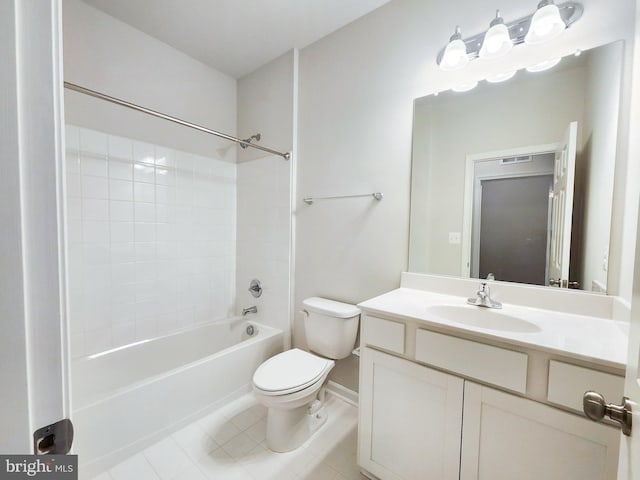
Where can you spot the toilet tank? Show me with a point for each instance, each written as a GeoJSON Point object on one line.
{"type": "Point", "coordinates": [331, 327]}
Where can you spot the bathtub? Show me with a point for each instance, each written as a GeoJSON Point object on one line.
{"type": "Point", "coordinates": [126, 398]}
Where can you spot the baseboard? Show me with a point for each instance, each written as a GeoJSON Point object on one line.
{"type": "Point", "coordinates": [343, 393]}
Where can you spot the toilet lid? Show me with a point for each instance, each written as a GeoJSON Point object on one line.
{"type": "Point", "coordinates": [290, 371]}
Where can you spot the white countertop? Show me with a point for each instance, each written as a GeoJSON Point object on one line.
{"type": "Point", "coordinates": [593, 339]}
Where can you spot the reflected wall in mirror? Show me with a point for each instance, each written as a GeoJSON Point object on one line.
{"type": "Point", "coordinates": [514, 180]}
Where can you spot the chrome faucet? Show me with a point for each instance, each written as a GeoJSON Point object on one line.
{"type": "Point", "coordinates": [483, 298]}
{"type": "Point", "coordinates": [253, 309]}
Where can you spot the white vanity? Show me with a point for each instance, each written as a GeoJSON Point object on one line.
{"type": "Point", "coordinates": [449, 390]}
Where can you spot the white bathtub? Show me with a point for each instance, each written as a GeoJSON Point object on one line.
{"type": "Point", "coordinates": [125, 399]}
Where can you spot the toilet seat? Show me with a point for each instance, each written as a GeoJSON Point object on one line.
{"type": "Point", "coordinates": [290, 372]}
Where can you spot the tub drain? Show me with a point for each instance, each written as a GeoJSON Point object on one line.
{"type": "Point", "coordinates": [250, 330]}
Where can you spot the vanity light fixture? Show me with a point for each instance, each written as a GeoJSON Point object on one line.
{"type": "Point", "coordinates": [497, 42]}
{"type": "Point", "coordinates": [546, 24]}
{"type": "Point", "coordinates": [540, 26]}
{"type": "Point", "coordinates": [545, 65]}
{"type": "Point", "coordinates": [501, 77]}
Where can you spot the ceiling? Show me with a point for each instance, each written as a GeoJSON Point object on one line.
{"type": "Point", "coordinates": [236, 36]}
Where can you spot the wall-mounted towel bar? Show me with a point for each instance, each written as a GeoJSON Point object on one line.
{"type": "Point", "coordinates": [377, 195]}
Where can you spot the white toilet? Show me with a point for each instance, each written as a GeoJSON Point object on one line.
{"type": "Point", "coordinates": [290, 383]}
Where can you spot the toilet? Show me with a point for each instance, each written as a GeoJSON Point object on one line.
{"type": "Point", "coordinates": [290, 384]}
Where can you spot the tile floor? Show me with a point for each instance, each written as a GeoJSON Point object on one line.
{"type": "Point", "coordinates": [230, 444]}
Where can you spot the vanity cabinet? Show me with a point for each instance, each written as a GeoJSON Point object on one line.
{"type": "Point", "coordinates": [442, 420]}
{"type": "Point", "coordinates": [507, 437]}
{"type": "Point", "coordinates": [410, 419]}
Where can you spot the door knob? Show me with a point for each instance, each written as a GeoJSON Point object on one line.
{"type": "Point", "coordinates": [596, 409]}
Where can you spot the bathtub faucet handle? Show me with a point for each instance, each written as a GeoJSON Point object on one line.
{"type": "Point", "coordinates": [255, 287]}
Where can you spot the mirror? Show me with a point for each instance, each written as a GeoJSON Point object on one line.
{"type": "Point", "coordinates": [513, 181]}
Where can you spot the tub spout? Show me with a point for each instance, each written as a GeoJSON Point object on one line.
{"type": "Point", "coordinates": [253, 309]}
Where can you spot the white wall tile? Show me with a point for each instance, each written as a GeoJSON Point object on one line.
{"type": "Point", "coordinates": [74, 208]}
{"type": "Point", "coordinates": [122, 232]}
{"type": "Point", "coordinates": [93, 165]}
{"type": "Point", "coordinates": [95, 231]}
{"type": "Point", "coordinates": [95, 254]}
{"type": "Point", "coordinates": [72, 162]}
{"type": "Point", "coordinates": [123, 273]}
{"type": "Point", "coordinates": [94, 187]}
{"type": "Point", "coordinates": [144, 153]}
{"type": "Point", "coordinates": [144, 173]}
{"type": "Point", "coordinates": [123, 252]}
{"type": "Point", "coordinates": [120, 190]}
{"type": "Point", "coordinates": [143, 257]}
{"type": "Point", "coordinates": [144, 192]}
{"type": "Point", "coordinates": [145, 251]}
{"type": "Point", "coordinates": [121, 170]}
{"type": "Point", "coordinates": [121, 211]}
{"type": "Point", "coordinates": [166, 157]}
{"type": "Point", "coordinates": [94, 209]}
{"type": "Point", "coordinates": [145, 212]}
{"type": "Point", "coordinates": [145, 232]}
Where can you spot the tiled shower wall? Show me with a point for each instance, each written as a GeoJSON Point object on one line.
{"type": "Point", "coordinates": [152, 239]}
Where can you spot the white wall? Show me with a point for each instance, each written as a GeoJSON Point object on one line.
{"type": "Point", "coordinates": [151, 239]}
{"type": "Point", "coordinates": [104, 54]}
{"type": "Point", "coordinates": [266, 105]}
{"type": "Point", "coordinates": [357, 87]}
{"type": "Point", "coordinates": [356, 95]}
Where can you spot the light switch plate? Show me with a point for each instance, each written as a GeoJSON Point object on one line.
{"type": "Point", "coordinates": [454, 238]}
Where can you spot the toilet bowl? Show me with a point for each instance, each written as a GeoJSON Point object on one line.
{"type": "Point", "coordinates": [291, 383]}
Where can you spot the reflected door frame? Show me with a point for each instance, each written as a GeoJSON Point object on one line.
{"type": "Point", "coordinates": [470, 192]}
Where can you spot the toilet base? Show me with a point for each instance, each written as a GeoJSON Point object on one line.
{"type": "Point", "coordinates": [287, 429]}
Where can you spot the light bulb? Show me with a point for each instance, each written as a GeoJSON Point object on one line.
{"type": "Point", "coordinates": [544, 65]}
{"type": "Point", "coordinates": [501, 77]}
{"type": "Point", "coordinates": [497, 41]}
{"type": "Point", "coordinates": [546, 24]}
{"type": "Point", "coordinates": [465, 87]}
{"type": "Point", "coordinates": [455, 53]}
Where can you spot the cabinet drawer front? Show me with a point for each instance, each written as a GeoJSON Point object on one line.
{"type": "Point", "coordinates": [498, 366]}
{"type": "Point", "coordinates": [383, 333]}
{"type": "Point", "coordinates": [567, 384]}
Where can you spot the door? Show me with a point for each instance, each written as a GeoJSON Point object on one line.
{"type": "Point", "coordinates": [629, 466]}
{"type": "Point", "coordinates": [410, 419]}
{"type": "Point", "coordinates": [562, 208]}
{"type": "Point", "coordinates": [513, 232]}
{"type": "Point", "coordinates": [505, 437]}
{"type": "Point", "coordinates": [33, 350]}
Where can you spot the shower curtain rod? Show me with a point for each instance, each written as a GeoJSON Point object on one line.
{"type": "Point", "coordinates": [148, 111]}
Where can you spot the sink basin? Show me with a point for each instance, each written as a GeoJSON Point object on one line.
{"type": "Point", "coordinates": [480, 317]}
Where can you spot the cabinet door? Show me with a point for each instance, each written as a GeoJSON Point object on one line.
{"type": "Point", "coordinates": [410, 419]}
{"type": "Point", "coordinates": [507, 437]}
